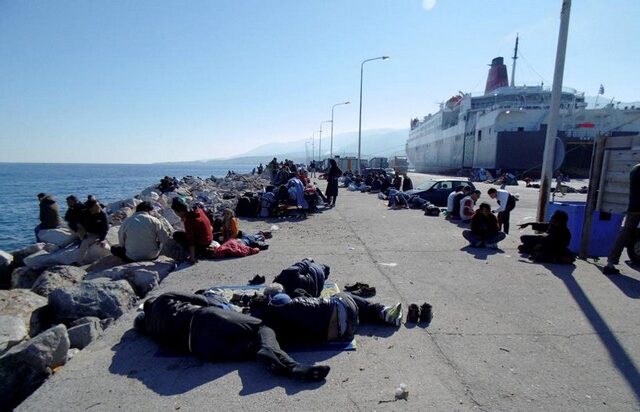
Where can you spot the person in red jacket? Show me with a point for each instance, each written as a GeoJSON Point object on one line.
{"type": "Point", "coordinates": [198, 233]}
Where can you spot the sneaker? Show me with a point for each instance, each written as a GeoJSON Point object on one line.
{"type": "Point", "coordinates": [413, 313]}
{"type": "Point", "coordinates": [393, 314]}
{"type": "Point", "coordinates": [610, 270]}
{"type": "Point", "coordinates": [257, 280]}
{"type": "Point", "coordinates": [426, 313]}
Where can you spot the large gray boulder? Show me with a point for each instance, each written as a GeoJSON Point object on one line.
{"type": "Point", "coordinates": [61, 236]}
{"type": "Point", "coordinates": [27, 306]}
{"type": "Point", "coordinates": [20, 254]}
{"type": "Point", "coordinates": [6, 259]}
{"type": "Point", "coordinates": [105, 263]}
{"type": "Point", "coordinates": [143, 281]}
{"type": "Point", "coordinates": [6, 266]}
{"type": "Point", "coordinates": [12, 331]}
{"type": "Point", "coordinates": [57, 277]}
{"type": "Point", "coordinates": [101, 298]}
{"type": "Point", "coordinates": [82, 335]}
{"type": "Point", "coordinates": [24, 277]}
{"type": "Point", "coordinates": [25, 366]}
{"type": "Point", "coordinates": [163, 265]}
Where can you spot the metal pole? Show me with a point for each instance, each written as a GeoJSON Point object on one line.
{"type": "Point", "coordinates": [360, 117]}
{"type": "Point", "coordinates": [592, 196]}
{"type": "Point", "coordinates": [552, 128]}
{"type": "Point", "coordinates": [331, 145]}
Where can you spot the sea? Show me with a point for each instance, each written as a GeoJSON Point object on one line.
{"type": "Point", "coordinates": [20, 184]}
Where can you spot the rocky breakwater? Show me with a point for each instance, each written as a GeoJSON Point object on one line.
{"type": "Point", "coordinates": [50, 307]}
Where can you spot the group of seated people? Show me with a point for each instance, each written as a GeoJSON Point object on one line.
{"type": "Point", "coordinates": [291, 312]}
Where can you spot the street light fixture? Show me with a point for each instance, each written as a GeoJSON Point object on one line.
{"type": "Point", "coordinates": [320, 143]}
{"type": "Point", "coordinates": [333, 107]}
{"type": "Point", "coordinates": [360, 115]}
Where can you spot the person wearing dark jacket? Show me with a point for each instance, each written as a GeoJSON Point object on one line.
{"type": "Point", "coordinates": [96, 226]}
{"type": "Point", "coordinates": [397, 181]}
{"type": "Point", "coordinates": [318, 320]}
{"type": "Point", "coordinates": [208, 328]}
{"type": "Point", "coordinates": [407, 183]}
{"type": "Point", "coordinates": [552, 246]}
{"type": "Point", "coordinates": [631, 222]}
{"type": "Point", "coordinates": [333, 174]}
{"type": "Point", "coordinates": [306, 275]}
{"type": "Point", "coordinates": [75, 214]}
{"type": "Point", "coordinates": [484, 228]}
{"type": "Point", "coordinates": [49, 213]}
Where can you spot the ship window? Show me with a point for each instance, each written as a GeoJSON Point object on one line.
{"type": "Point", "coordinates": [479, 135]}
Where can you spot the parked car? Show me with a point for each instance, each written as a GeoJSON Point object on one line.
{"type": "Point", "coordinates": [437, 191]}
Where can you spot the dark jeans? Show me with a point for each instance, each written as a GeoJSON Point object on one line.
{"type": "Point", "coordinates": [368, 312]}
{"type": "Point", "coordinates": [121, 252]}
{"type": "Point", "coordinates": [624, 237]}
{"type": "Point", "coordinates": [503, 217]}
{"type": "Point", "coordinates": [473, 238]}
{"type": "Point", "coordinates": [181, 238]}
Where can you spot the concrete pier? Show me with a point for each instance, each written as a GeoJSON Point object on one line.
{"type": "Point", "coordinates": [507, 334]}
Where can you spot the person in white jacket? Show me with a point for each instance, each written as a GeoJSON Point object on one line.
{"type": "Point", "coordinates": [141, 236]}
{"type": "Point", "coordinates": [506, 202]}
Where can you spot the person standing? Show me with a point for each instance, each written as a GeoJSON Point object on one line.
{"type": "Point", "coordinates": [49, 214]}
{"type": "Point", "coordinates": [631, 222]}
{"type": "Point", "coordinates": [141, 236]}
{"type": "Point", "coordinates": [507, 203]}
{"type": "Point", "coordinates": [333, 174]}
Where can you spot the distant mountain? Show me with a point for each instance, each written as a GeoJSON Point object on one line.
{"type": "Point", "coordinates": [375, 143]}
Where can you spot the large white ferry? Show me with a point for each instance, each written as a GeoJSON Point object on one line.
{"type": "Point", "coordinates": [505, 128]}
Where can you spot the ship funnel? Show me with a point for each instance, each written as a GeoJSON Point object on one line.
{"type": "Point", "coordinates": [497, 75]}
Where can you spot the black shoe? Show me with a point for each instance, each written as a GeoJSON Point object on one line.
{"type": "Point", "coordinates": [610, 270]}
{"type": "Point", "coordinates": [355, 286]}
{"type": "Point", "coordinates": [366, 292]}
{"type": "Point", "coordinates": [426, 313]}
{"type": "Point", "coordinates": [413, 313]}
{"type": "Point", "coordinates": [257, 280]}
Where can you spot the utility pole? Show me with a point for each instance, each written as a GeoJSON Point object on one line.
{"type": "Point", "coordinates": [552, 128]}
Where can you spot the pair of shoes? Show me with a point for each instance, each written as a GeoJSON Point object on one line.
{"type": "Point", "coordinates": [355, 286]}
{"type": "Point", "coordinates": [257, 280]}
{"type": "Point", "coordinates": [263, 246]}
{"type": "Point", "coordinates": [267, 234]}
{"type": "Point", "coordinates": [426, 313]}
{"type": "Point", "coordinates": [365, 292]}
{"type": "Point", "coordinates": [393, 314]}
{"type": "Point", "coordinates": [610, 270]}
{"type": "Point", "coordinates": [413, 313]}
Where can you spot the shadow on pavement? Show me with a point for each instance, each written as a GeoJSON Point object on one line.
{"type": "Point", "coordinates": [617, 353]}
{"type": "Point", "coordinates": [167, 373]}
{"type": "Point", "coordinates": [481, 253]}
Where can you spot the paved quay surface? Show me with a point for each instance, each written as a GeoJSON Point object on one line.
{"type": "Point", "coordinates": [506, 335]}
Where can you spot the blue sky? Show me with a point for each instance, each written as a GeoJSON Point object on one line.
{"type": "Point", "coordinates": [146, 81]}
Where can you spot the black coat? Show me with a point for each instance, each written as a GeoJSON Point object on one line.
{"type": "Point", "coordinates": [303, 320]}
{"type": "Point", "coordinates": [306, 275]}
{"type": "Point", "coordinates": [49, 213]}
{"type": "Point", "coordinates": [332, 181]}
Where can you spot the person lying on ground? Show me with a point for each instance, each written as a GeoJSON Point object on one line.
{"type": "Point", "coordinates": [198, 233]}
{"type": "Point", "coordinates": [208, 328]}
{"type": "Point", "coordinates": [467, 206]}
{"type": "Point", "coordinates": [141, 236]}
{"type": "Point", "coordinates": [306, 275]}
{"type": "Point", "coordinates": [301, 319]}
{"type": "Point", "coordinates": [553, 245]}
{"type": "Point", "coordinates": [484, 229]}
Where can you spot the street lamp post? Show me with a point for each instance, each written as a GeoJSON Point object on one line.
{"type": "Point", "coordinates": [333, 107]}
{"type": "Point", "coordinates": [320, 142]}
{"type": "Point", "coordinates": [360, 115]}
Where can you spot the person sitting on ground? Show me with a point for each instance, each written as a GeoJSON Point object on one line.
{"type": "Point", "coordinates": [457, 199]}
{"type": "Point", "coordinates": [551, 247]}
{"type": "Point", "coordinates": [96, 225]}
{"type": "Point", "coordinates": [385, 183]}
{"type": "Point", "coordinates": [208, 328]}
{"type": "Point", "coordinates": [407, 183]}
{"type": "Point", "coordinates": [397, 181]}
{"type": "Point", "coordinates": [141, 236]}
{"type": "Point", "coordinates": [303, 319]}
{"type": "Point", "coordinates": [376, 185]}
{"type": "Point", "coordinates": [74, 215]}
{"type": "Point", "coordinates": [230, 226]}
{"type": "Point", "coordinates": [198, 233]}
{"type": "Point", "coordinates": [49, 213]}
{"type": "Point", "coordinates": [451, 202]}
{"type": "Point", "coordinates": [484, 229]}
{"type": "Point", "coordinates": [467, 206]}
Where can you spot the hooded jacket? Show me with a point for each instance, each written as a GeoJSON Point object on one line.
{"type": "Point", "coordinates": [49, 213]}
